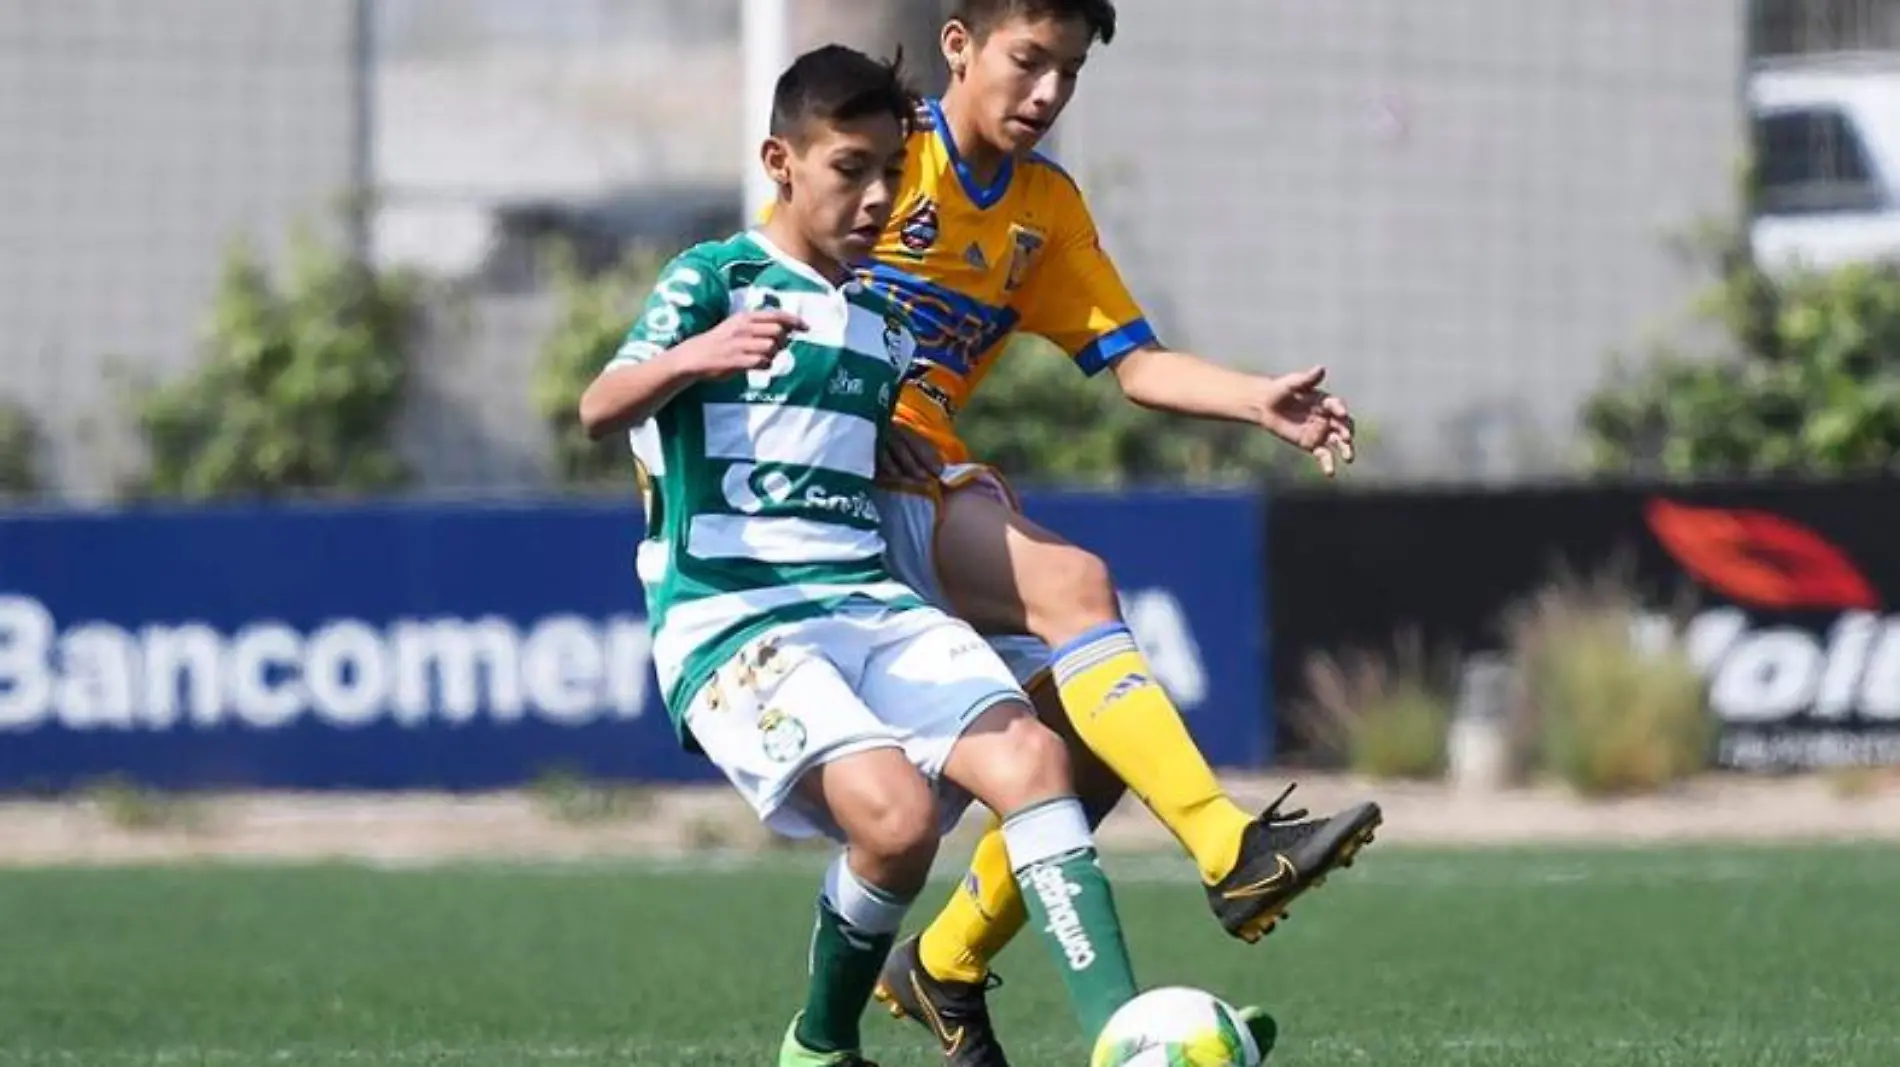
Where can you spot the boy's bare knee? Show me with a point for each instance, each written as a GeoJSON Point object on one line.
{"type": "Point", "coordinates": [897, 833]}
{"type": "Point", "coordinates": [887, 811]}
{"type": "Point", "coordinates": [1032, 765]}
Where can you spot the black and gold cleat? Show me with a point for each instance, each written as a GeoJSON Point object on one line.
{"type": "Point", "coordinates": [1284, 854]}
{"type": "Point", "coordinates": [956, 1013]}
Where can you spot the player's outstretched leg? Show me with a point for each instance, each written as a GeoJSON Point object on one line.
{"type": "Point", "coordinates": [889, 819]}
{"type": "Point", "coordinates": [1284, 854]}
{"type": "Point", "coordinates": [1004, 571]}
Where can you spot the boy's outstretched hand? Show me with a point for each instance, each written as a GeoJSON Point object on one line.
{"type": "Point", "coordinates": [1295, 409]}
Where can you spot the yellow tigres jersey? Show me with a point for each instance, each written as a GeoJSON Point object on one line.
{"type": "Point", "coordinates": [972, 266]}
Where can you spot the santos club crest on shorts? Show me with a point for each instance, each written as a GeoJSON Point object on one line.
{"type": "Point", "coordinates": [781, 735]}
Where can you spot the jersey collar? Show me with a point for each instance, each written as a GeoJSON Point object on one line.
{"type": "Point", "coordinates": [979, 196]}
{"type": "Point", "coordinates": [799, 266]}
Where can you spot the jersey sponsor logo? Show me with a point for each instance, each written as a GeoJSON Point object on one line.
{"type": "Point", "coordinates": [918, 233]}
{"type": "Point", "coordinates": [1026, 243]}
{"type": "Point", "coordinates": [858, 506]}
{"type": "Point", "coordinates": [751, 489]}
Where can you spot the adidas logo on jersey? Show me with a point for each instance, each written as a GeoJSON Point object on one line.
{"type": "Point", "coordinates": [974, 257]}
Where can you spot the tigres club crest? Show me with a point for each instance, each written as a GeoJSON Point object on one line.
{"type": "Point", "coordinates": [1026, 244]}
{"type": "Point", "coordinates": [919, 231]}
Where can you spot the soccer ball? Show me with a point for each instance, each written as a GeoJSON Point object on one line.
{"type": "Point", "coordinates": [1175, 1027]}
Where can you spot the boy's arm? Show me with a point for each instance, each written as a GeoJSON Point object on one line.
{"type": "Point", "coordinates": [684, 335]}
{"type": "Point", "coordinates": [628, 392]}
{"type": "Point", "coordinates": [1292, 407]}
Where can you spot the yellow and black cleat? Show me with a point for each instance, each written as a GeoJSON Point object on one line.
{"type": "Point", "coordinates": [956, 1013]}
{"type": "Point", "coordinates": [1284, 854]}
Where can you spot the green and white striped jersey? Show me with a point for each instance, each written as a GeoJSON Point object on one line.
{"type": "Point", "coordinates": [758, 486]}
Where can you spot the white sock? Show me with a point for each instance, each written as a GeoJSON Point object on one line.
{"type": "Point", "coordinates": [1046, 831]}
{"type": "Point", "coordinates": [863, 905]}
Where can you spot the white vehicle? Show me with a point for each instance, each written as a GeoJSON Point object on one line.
{"type": "Point", "coordinates": [1827, 141]}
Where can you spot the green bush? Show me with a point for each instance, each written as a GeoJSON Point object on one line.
{"type": "Point", "coordinates": [594, 315]}
{"type": "Point", "coordinates": [19, 451]}
{"type": "Point", "coordinates": [300, 387]}
{"type": "Point", "coordinates": [1039, 420]}
{"type": "Point", "coordinates": [1385, 717]}
{"type": "Point", "coordinates": [1608, 715]}
{"type": "Point", "coordinates": [1804, 377]}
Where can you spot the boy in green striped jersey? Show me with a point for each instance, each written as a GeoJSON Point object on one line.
{"type": "Point", "coordinates": [757, 386]}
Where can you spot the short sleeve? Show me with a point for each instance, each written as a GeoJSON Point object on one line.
{"type": "Point", "coordinates": [1075, 297]}
{"type": "Point", "coordinates": [689, 299]}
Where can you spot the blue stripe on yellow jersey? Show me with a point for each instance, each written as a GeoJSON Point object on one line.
{"type": "Point", "coordinates": [950, 326]}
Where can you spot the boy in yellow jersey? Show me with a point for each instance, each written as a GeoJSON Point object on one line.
{"type": "Point", "coordinates": [986, 239]}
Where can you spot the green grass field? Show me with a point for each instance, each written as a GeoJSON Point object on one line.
{"type": "Point", "coordinates": [1723, 958]}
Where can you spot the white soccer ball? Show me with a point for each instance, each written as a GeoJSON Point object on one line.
{"type": "Point", "coordinates": [1175, 1027]}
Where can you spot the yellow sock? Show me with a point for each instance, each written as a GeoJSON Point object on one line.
{"type": "Point", "coordinates": [1124, 717]}
{"type": "Point", "coordinates": [982, 915]}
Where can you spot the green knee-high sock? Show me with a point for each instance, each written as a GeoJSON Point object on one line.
{"type": "Point", "coordinates": [844, 966]}
{"type": "Point", "coordinates": [857, 923]}
{"type": "Point", "coordinates": [1071, 905]}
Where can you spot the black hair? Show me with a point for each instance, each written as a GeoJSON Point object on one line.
{"type": "Point", "coordinates": [838, 84]}
{"type": "Point", "coordinates": [982, 16]}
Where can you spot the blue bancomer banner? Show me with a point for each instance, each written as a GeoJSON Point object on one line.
{"type": "Point", "coordinates": [468, 647]}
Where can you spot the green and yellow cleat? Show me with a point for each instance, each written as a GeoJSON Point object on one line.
{"type": "Point", "coordinates": [793, 1054]}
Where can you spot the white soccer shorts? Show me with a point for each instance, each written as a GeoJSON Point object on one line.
{"type": "Point", "coordinates": [909, 524]}
{"type": "Point", "coordinates": [810, 692]}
